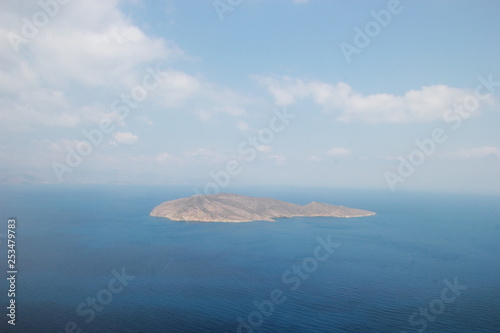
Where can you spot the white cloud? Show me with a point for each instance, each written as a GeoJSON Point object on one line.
{"type": "Point", "coordinates": [264, 149]}
{"type": "Point", "coordinates": [203, 154]}
{"type": "Point", "coordinates": [145, 120]}
{"type": "Point", "coordinates": [278, 159]}
{"type": "Point", "coordinates": [166, 158]}
{"type": "Point", "coordinates": [234, 110]}
{"type": "Point", "coordinates": [48, 81]}
{"type": "Point", "coordinates": [479, 152]}
{"type": "Point", "coordinates": [337, 151]}
{"type": "Point", "coordinates": [315, 158]}
{"type": "Point", "coordinates": [103, 48]}
{"type": "Point", "coordinates": [176, 88]}
{"type": "Point", "coordinates": [211, 100]}
{"type": "Point", "coordinates": [181, 91]}
{"type": "Point", "coordinates": [285, 91]}
{"type": "Point", "coordinates": [102, 55]}
{"type": "Point", "coordinates": [125, 138]}
{"type": "Point", "coordinates": [242, 126]}
{"type": "Point", "coordinates": [428, 103]}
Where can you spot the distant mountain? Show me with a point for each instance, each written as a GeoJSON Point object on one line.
{"type": "Point", "coordinates": [16, 179]}
{"type": "Point", "coordinates": [226, 207]}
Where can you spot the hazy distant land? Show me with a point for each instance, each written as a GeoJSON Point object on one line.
{"type": "Point", "coordinates": [226, 207]}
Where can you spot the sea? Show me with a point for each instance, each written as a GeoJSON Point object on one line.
{"type": "Point", "coordinates": [89, 258]}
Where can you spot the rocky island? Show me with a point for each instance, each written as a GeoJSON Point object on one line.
{"type": "Point", "coordinates": [226, 207]}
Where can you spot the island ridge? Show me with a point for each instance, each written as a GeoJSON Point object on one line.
{"type": "Point", "coordinates": [227, 207]}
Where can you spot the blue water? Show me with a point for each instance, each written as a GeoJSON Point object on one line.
{"type": "Point", "coordinates": [202, 277]}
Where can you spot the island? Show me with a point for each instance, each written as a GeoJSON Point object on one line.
{"type": "Point", "coordinates": [227, 207]}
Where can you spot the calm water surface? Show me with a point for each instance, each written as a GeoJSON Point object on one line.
{"type": "Point", "coordinates": [73, 242]}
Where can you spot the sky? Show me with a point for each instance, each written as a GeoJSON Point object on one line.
{"type": "Point", "coordinates": [393, 95]}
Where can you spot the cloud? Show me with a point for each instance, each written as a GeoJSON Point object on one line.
{"type": "Point", "coordinates": [99, 49]}
{"type": "Point", "coordinates": [166, 158]}
{"type": "Point", "coordinates": [264, 149]}
{"type": "Point", "coordinates": [70, 72]}
{"type": "Point", "coordinates": [125, 138]}
{"type": "Point", "coordinates": [479, 152]}
{"type": "Point", "coordinates": [46, 107]}
{"type": "Point", "coordinates": [285, 91]}
{"type": "Point", "coordinates": [212, 100]}
{"type": "Point", "coordinates": [176, 88]}
{"type": "Point", "coordinates": [278, 159]}
{"type": "Point", "coordinates": [426, 104]}
{"type": "Point", "coordinates": [47, 83]}
{"type": "Point", "coordinates": [337, 151]}
{"type": "Point", "coordinates": [196, 95]}
{"type": "Point", "coordinates": [203, 155]}
{"type": "Point", "coordinates": [242, 126]}
{"type": "Point", "coordinates": [314, 158]}
{"type": "Point", "coordinates": [145, 120]}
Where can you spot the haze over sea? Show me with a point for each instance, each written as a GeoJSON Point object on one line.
{"type": "Point", "coordinates": [200, 277]}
